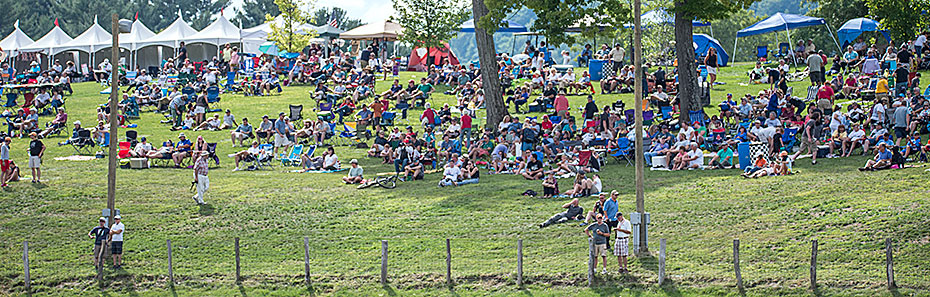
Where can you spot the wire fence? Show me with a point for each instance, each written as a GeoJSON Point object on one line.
{"type": "Point", "coordinates": [501, 262]}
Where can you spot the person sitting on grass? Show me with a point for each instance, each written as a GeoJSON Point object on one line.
{"type": "Point", "coordinates": [550, 186]}
{"type": "Point", "coordinates": [533, 169]}
{"type": "Point", "coordinates": [581, 187]}
{"type": "Point", "coordinates": [210, 124]}
{"type": "Point", "coordinates": [573, 211]}
{"type": "Point", "coordinates": [693, 158]}
{"type": "Point", "coordinates": [882, 159]}
{"type": "Point", "coordinates": [328, 161]}
{"type": "Point", "coordinates": [856, 137]}
{"type": "Point", "coordinates": [355, 173]}
{"type": "Point", "coordinates": [11, 173]}
{"type": "Point", "coordinates": [756, 166]}
{"type": "Point", "coordinates": [414, 170]}
{"type": "Point", "coordinates": [247, 155]}
{"type": "Point", "coordinates": [470, 172]}
{"type": "Point", "coordinates": [724, 157]}
{"type": "Point", "coordinates": [229, 121]}
{"type": "Point", "coordinates": [451, 175]}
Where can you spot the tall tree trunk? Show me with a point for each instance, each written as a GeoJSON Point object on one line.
{"type": "Point", "coordinates": [687, 78]}
{"type": "Point", "coordinates": [490, 82]}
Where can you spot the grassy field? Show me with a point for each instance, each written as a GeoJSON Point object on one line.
{"type": "Point", "coordinates": [698, 212]}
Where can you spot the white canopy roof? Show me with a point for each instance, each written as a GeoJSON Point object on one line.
{"type": "Point", "coordinates": [138, 32]}
{"type": "Point", "coordinates": [384, 30]}
{"type": "Point", "coordinates": [15, 40]}
{"type": "Point", "coordinates": [53, 38]}
{"type": "Point", "coordinates": [219, 32]}
{"type": "Point", "coordinates": [177, 31]}
{"type": "Point", "coordinates": [93, 39]}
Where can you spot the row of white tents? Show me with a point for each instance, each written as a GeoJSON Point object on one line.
{"type": "Point", "coordinates": [142, 46]}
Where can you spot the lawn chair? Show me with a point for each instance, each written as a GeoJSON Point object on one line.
{"type": "Point", "coordinates": [124, 147]}
{"type": "Point", "coordinates": [789, 139]}
{"type": "Point", "coordinates": [348, 133]}
{"type": "Point", "coordinates": [265, 158]}
{"type": "Point", "coordinates": [387, 118]}
{"type": "Point", "coordinates": [11, 99]}
{"type": "Point", "coordinates": [132, 137]}
{"type": "Point", "coordinates": [132, 109]}
{"type": "Point", "coordinates": [648, 117]}
{"type": "Point", "coordinates": [623, 151]}
{"type": "Point", "coordinates": [296, 111]}
{"type": "Point", "coordinates": [811, 94]}
{"type": "Point", "coordinates": [230, 80]}
{"type": "Point", "coordinates": [189, 92]}
{"type": "Point", "coordinates": [294, 157]}
{"type": "Point", "coordinates": [83, 143]}
{"type": "Point", "coordinates": [213, 94]}
{"type": "Point", "coordinates": [211, 153]}
{"type": "Point", "coordinates": [762, 52]}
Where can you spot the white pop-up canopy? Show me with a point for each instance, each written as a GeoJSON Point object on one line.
{"type": "Point", "coordinates": [15, 41]}
{"type": "Point", "coordinates": [53, 38]}
{"type": "Point", "coordinates": [221, 31]}
{"type": "Point", "coordinates": [138, 32]}
{"type": "Point", "coordinates": [170, 36]}
{"type": "Point", "coordinates": [380, 30]}
{"type": "Point", "coordinates": [93, 39]}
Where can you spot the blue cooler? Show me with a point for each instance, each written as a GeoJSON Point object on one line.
{"type": "Point", "coordinates": [595, 69]}
{"type": "Point", "coordinates": [744, 158]}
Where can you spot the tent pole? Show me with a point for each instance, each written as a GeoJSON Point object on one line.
{"type": "Point", "coordinates": [793, 57]}
{"type": "Point", "coordinates": [711, 30]}
{"type": "Point", "coordinates": [735, 41]}
{"type": "Point", "coordinates": [833, 36]}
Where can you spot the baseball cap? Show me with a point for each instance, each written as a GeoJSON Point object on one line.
{"type": "Point", "coordinates": [181, 134]}
{"type": "Point", "coordinates": [77, 122]}
{"type": "Point", "coordinates": [102, 219]}
{"type": "Point", "coordinates": [118, 217]}
{"type": "Point", "coordinates": [354, 161]}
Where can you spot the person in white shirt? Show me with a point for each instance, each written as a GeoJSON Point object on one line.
{"type": "Point", "coordinates": [622, 243]}
{"type": "Point", "coordinates": [142, 149]}
{"type": "Point", "coordinates": [616, 57]}
{"type": "Point", "coordinates": [450, 175]}
{"type": "Point", "coordinates": [597, 186]}
{"type": "Point", "coordinates": [693, 160]}
{"type": "Point", "coordinates": [229, 121]}
{"type": "Point", "coordinates": [42, 99]}
{"type": "Point", "coordinates": [856, 137]}
{"type": "Point", "coordinates": [331, 162]}
{"type": "Point", "coordinates": [116, 241]}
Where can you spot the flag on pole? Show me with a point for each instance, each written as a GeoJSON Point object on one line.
{"type": "Point", "coordinates": [333, 22]}
{"type": "Point", "coordinates": [56, 22]}
{"type": "Point", "coordinates": [137, 16]}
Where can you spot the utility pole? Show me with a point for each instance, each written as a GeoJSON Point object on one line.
{"type": "Point", "coordinates": [114, 109]}
{"type": "Point", "coordinates": [638, 105]}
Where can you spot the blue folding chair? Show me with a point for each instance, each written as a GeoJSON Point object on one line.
{"type": "Point", "coordinates": [230, 80]}
{"type": "Point", "coordinates": [292, 159]}
{"type": "Point", "coordinates": [623, 151]}
{"type": "Point", "coordinates": [11, 99]}
{"type": "Point", "coordinates": [762, 52]}
{"type": "Point", "coordinates": [213, 94]}
{"type": "Point", "coordinates": [789, 139]}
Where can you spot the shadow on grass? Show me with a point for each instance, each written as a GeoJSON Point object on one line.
{"type": "Point", "coordinates": [171, 289]}
{"type": "Point", "coordinates": [649, 262]}
{"type": "Point", "coordinates": [389, 290]}
{"type": "Point", "coordinates": [242, 291]}
{"type": "Point", "coordinates": [39, 186]}
{"type": "Point", "coordinates": [206, 210]}
{"type": "Point", "coordinates": [670, 288]}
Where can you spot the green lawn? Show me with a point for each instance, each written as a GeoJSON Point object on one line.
{"type": "Point", "coordinates": [698, 212]}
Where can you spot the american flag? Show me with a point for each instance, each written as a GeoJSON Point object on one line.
{"type": "Point", "coordinates": [333, 22]}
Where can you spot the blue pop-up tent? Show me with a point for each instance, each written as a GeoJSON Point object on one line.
{"type": "Point", "coordinates": [782, 22]}
{"type": "Point", "coordinates": [703, 43]}
{"type": "Point", "coordinates": [512, 27]}
{"type": "Point", "coordinates": [854, 27]}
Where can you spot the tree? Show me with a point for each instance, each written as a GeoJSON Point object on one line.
{"type": "Point", "coordinates": [253, 12]}
{"type": "Point", "coordinates": [903, 18]}
{"type": "Point", "coordinates": [685, 12]}
{"type": "Point", "coordinates": [429, 23]}
{"type": "Point", "coordinates": [286, 35]}
{"type": "Point", "coordinates": [554, 18]}
{"type": "Point", "coordinates": [324, 15]}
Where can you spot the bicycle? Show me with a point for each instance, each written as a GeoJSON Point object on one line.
{"type": "Point", "coordinates": [387, 182]}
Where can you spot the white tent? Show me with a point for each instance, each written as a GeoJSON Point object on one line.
{"type": "Point", "coordinates": [93, 39]}
{"type": "Point", "coordinates": [138, 32]}
{"type": "Point", "coordinates": [380, 30]}
{"type": "Point", "coordinates": [15, 41]}
{"type": "Point", "coordinates": [53, 38]}
{"type": "Point", "coordinates": [170, 36]}
{"type": "Point", "coordinates": [221, 31]}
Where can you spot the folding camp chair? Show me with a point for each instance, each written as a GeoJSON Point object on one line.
{"type": "Point", "coordinates": [623, 151]}
{"type": "Point", "coordinates": [11, 99]}
{"type": "Point", "coordinates": [762, 52]}
{"type": "Point", "coordinates": [265, 158]}
{"type": "Point", "coordinates": [387, 118]}
{"type": "Point", "coordinates": [811, 94]}
{"type": "Point", "coordinates": [789, 139]}
{"type": "Point", "coordinates": [295, 113]}
{"type": "Point", "coordinates": [348, 133]}
{"type": "Point", "coordinates": [292, 159]}
{"type": "Point", "coordinates": [124, 147]}
{"type": "Point", "coordinates": [211, 153]}
{"type": "Point", "coordinates": [132, 136]}
{"type": "Point", "coordinates": [213, 94]}
{"type": "Point", "coordinates": [230, 80]}
{"type": "Point", "coordinates": [189, 92]}
{"type": "Point", "coordinates": [83, 143]}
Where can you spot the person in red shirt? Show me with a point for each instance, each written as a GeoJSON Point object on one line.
{"type": "Point", "coordinates": [465, 137]}
{"type": "Point", "coordinates": [376, 109]}
{"type": "Point", "coordinates": [428, 118]}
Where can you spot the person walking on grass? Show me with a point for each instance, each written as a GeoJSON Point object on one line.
{"type": "Point", "coordinates": [36, 151]}
{"type": "Point", "coordinates": [116, 242]}
{"type": "Point", "coordinates": [4, 161]}
{"type": "Point", "coordinates": [99, 234]}
{"type": "Point", "coordinates": [200, 177]}
{"type": "Point", "coordinates": [599, 232]}
{"type": "Point", "coordinates": [621, 246]}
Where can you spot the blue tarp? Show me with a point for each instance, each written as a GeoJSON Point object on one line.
{"type": "Point", "coordinates": [512, 27]}
{"type": "Point", "coordinates": [854, 27]}
{"type": "Point", "coordinates": [660, 16]}
{"type": "Point", "coordinates": [703, 42]}
{"type": "Point", "coordinates": [779, 22]}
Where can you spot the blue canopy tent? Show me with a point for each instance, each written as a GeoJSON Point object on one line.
{"type": "Point", "coordinates": [854, 27]}
{"type": "Point", "coordinates": [512, 27]}
{"type": "Point", "coordinates": [703, 43]}
{"type": "Point", "coordinates": [781, 21]}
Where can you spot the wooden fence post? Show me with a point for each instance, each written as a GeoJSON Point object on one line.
{"type": "Point", "coordinates": [520, 262]}
{"type": "Point", "coordinates": [170, 265]}
{"type": "Point", "coordinates": [448, 261]}
{"type": "Point", "coordinates": [889, 264]}
{"type": "Point", "coordinates": [591, 260]}
{"type": "Point", "coordinates": [27, 283]}
{"type": "Point", "coordinates": [814, 247]}
{"type": "Point", "coordinates": [739, 276]}
{"type": "Point", "coordinates": [661, 261]}
{"type": "Point", "coordinates": [384, 261]}
{"type": "Point", "coordinates": [238, 278]}
{"type": "Point", "coordinates": [307, 259]}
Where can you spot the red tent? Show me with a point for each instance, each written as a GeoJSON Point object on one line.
{"type": "Point", "coordinates": [436, 56]}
